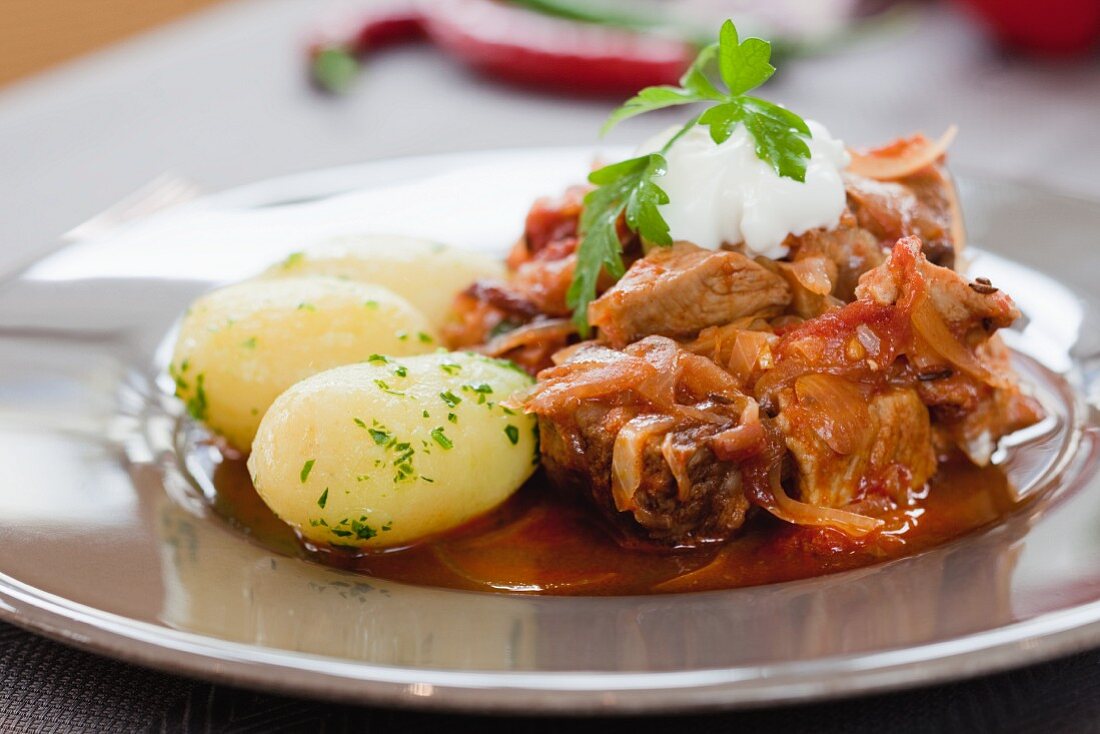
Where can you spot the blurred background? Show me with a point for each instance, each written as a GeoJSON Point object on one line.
{"type": "Point", "coordinates": [99, 97]}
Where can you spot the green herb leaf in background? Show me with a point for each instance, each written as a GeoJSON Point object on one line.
{"type": "Point", "coordinates": [334, 69]}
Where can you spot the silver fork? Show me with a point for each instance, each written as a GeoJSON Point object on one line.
{"type": "Point", "coordinates": [163, 192]}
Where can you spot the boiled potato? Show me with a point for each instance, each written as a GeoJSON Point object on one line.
{"type": "Point", "coordinates": [426, 273]}
{"type": "Point", "coordinates": [239, 347]}
{"type": "Point", "coordinates": [385, 453]}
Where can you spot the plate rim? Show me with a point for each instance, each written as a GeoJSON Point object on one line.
{"type": "Point", "coordinates": [1015, 645]}
{"type": "Point", "coordinates": [1011, 646]}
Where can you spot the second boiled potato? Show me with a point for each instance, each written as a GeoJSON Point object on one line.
{"type": "Point", "coordinates": [241, 346]}
{"type": "Point", "coordinates": [429, 275]}
{"type": "Point", "coordinates": [389, 452]}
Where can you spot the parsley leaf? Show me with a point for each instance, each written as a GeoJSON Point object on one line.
{"type": "Point", "coordinates": [780, 137]}
{"type": "Point", "coordinates": [695, 86]}
{"type": "Point", "coordinates": [627, 189]}
{"type": "Point", "coordinates": [649, 99]}
{"type": "Point", "coordinates": [743, 65]}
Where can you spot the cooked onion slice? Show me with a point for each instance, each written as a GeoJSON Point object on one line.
{"type": "Point", "coordinates": [628, 457]}
{"type": "Point", "coordinates": [812, 274]}
{"type": "Point", "coordinates": [738, 443]}
{"type": "Point", "coordinates": [901, 158]}
{"type": "Point", "coordinates": [522, 336]}
{"type": "Point", "coordinates": [677, 457]}
{"type": "Point", "coordinates": [934, 330]}
{"type": "Point", "coordinates": [838, 409]}
{"type": "Point", "coordinates": [800, 513]}
{"type": "Point", "coordinates": [747, 350]}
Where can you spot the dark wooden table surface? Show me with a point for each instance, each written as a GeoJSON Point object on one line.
{"type": "Point", "coordinates": [219, 99]}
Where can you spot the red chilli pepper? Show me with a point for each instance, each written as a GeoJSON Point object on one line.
{"type": "Point", "coordinates": [335, 55]}
{"type": "Point", "coordinates": [523, 47]}
{"type": "Point", "coordinates": [514, 45]}
{"type": "Point", "coordinates": [1051, 28]}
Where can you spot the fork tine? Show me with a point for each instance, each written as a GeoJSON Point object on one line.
{"type": "Point", "coordinates": [163, 192]}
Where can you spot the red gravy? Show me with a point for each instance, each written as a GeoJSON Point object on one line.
{"type": "Point", "coordinates": [539, 543]}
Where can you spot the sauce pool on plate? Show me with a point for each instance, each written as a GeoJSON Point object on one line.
{"type": "Point", "coordinates": [540, 543]}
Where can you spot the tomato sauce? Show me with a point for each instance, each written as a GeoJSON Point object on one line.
{"type": "Point", "coordinates": [540, 543]}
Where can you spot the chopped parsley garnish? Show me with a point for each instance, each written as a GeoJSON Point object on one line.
{"type": "Point", "coordinates": [371, 304]}
{"type": "Point", "coordinates": [380, 437]}
{"type": "Point", "coordinates": [404, 466]}
{"type": "Point", "coordinates": [293, 260]}
{"type": "Point", "coordinates": [303, 306]}
{"type": "Point", "coordinates": [452, 418]}
{"type": "Point", "coordinates": [361, 530]}
{"type": "Point", "coordinates": [306, 469]}
{"type": "Point", "coordinates": [323, 499]}
{"type": "Point", "coordinates": [425, 414]}
{"type": "Point", "coordinates": [401, 371]}
{"type": "Point", "coordinates": [481, 390]}
{"type": "Point", "coordinates": [401, 335]}
{"type": "Point", "coordinates": [512, 433]}
{"type": "Point", "coordinates": [628, 189]}
{"type": "Point", "coordinates": [450, 398]}
{"type": "Point", "coordinates": [450, 368]}
{"type": "Point", "coordinates": [441, 438]}
{"type": "Point", "coordinates": [378, 359]}
{"type": "Point", "coordinates": [424, 338]}
{"type": "Point", "coordinates": [384, 386]}
{"type": "Point", "coordinates": [196, 404]}
{"type": "Point", "coordinates": [359, 422]}
{"type": "Point", "coordinates": [177, 377]}
{"type": "Point", "coordinates": [249, 343]}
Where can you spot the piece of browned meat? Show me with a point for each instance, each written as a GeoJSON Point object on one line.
{"type": "Point", "coordinates": [549, 221]}
{"type": "Point", "coordinates": [917, 201]}
{"type": "Point", "coordinates": [849, 442]}
{"type": "Point", "coordinates": [677, 291]}
{"type": "Point", "coordinates": [652, 435]}
{"type": "Point", "coordinates": [975, 397]}
{"type": "Point", "coordinates": [903, 189]}
{"type": "Point", "coordinates": [919, 205]}
{"type": "Point", "coordinates": [848, 250]}
{"type": "Point", "coordinates": [855, 390]}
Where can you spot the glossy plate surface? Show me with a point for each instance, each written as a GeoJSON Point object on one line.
{"type": "Point", "coordinates": [106, 540]}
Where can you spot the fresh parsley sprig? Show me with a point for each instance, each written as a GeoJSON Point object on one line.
{"type": "Point", "coordinates": [628, 188]}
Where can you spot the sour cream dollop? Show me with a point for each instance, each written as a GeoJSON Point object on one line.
{"type": "Point", "coordinates": [726, 194]}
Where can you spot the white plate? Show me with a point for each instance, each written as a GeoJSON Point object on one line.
{"type": "Point", "coordinates": [106, 541]}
